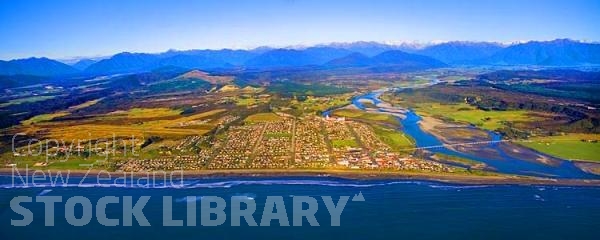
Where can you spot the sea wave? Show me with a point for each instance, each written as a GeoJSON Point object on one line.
{"type": "Point", "coordinates": [44, 192]}
{"type": "Point", "coordinates": [244, 196]}
{"type": "Point", "coordinates": [234, 183]}
{"type": "Point", "coordinates": [190, 199]}
{"type": "Point", "coordinates": [538, 198]}
{"type": "Point", "coordinates": [458, 186]}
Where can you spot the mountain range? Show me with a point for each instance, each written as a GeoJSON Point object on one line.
{"type": "Point", "coordinates": [394, 58]}
{"type": "Point", "coordinates": [35, 67]}
{"type": "Point", "coordinates": [560, 52]}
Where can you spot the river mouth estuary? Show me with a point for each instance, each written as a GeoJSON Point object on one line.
{"type": "Point", "coordinates": [498, 155]}
{"type": "Point", "coordinates": [388, 206]}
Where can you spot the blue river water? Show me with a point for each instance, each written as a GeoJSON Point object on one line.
{"type": "Point", "coordinates": [506, 164]}
{"type": "Point", "coordinates": [392, 209]}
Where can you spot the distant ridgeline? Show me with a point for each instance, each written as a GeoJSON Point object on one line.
{"type": "Point", "coordinates": [369, 55]}
{"type": "Point", "coordinates": [37, 86]}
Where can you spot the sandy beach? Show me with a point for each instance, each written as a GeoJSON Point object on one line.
{"type": "Point", "coordinates": [452, 178]}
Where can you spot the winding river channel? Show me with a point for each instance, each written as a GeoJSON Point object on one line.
{"type": "Point", "coordinates": [503, 162]}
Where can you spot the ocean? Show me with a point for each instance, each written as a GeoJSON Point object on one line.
{"type": "Point", "coordinates": [390, 210]}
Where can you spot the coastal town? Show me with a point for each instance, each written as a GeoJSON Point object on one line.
{"type": "Point", "coordinates": [299, 119]}
{"type": "Point", "coordinates": [310, 142]}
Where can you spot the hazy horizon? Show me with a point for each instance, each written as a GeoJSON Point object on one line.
{"type": "Point", "coordinates": [68, 29]}
{"type": "Point", "coordinates": [415, 45]}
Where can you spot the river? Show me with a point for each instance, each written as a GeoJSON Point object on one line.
{"type": "Point", "coordinates": [392, 209]}
{"type": "Point", "coordinates": [506, 163]}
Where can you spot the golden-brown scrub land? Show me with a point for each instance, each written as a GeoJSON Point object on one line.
{"type": "Point", "coordinates": [137, 122]}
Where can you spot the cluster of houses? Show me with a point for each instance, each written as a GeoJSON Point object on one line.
{"type": "Point", "coordinates": [184, 162]}
{"type": "Point", "coordinates": [275, 146]}
{"type": "Point", "coordinates": [310, 148]}
{"type": "Point", "coordinates": [234, 151]}
{"type": "Point", "coordinates": [309, 142]}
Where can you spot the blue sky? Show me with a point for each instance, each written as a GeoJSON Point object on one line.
{"type": "Point", "coordinates": [69, 28]}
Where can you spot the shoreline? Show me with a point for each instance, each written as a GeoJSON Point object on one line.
{"type": "Point", "coordinates": [446, 178]}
